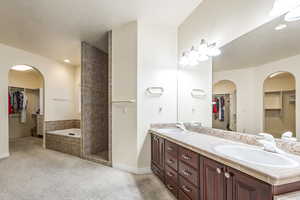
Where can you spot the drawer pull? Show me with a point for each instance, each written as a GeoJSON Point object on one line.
{"type": "Point", "coordinates": [186, 157]}
{"type": "Point", "coordinates": [186, 173]}
{"type": "Point", "coordinates": [227, 175]}
{"type": "Point", "coordinates": [185, 188]}
{"type": "Point", "coordinates": [170, 149]}
{"type": "Point", "coordinates": [170, 187]}
{"type": "Point", "coordinates": [170, 161]}
{"type": "Point", "coordinates": [170, 174]}
{"type": "Point", "coordinates": [219, 171]}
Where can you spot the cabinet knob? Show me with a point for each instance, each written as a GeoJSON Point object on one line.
{"type": "Point", "coordinates": [170, 149]}
{"type": "Point", "coordinates": [185, 188]}
{"type": "Point", "coordinates": [186, 157]}
{"type": "Point", "coordinates": [170, 187]}
{"type": "Point", "coordinates": [219, 171]}
{"type": "Point", "coordinates": [227, 175]}
{"type": "Point", "coordinates": [170, 174]}
{"type": "Point", "coordinates": [170, 161]}
{"type": "Point", "coordinates": [186, 173]}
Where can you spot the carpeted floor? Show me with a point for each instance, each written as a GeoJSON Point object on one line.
{"type": "Point", "coordinates": [33, 173]}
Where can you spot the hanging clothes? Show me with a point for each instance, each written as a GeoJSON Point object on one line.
{"type": "Point", "coordinates": [222, 109]}
{"type": "Point", "coordinates": [10, 109]}
{"type": "Point", "coordinates": [24, 107]}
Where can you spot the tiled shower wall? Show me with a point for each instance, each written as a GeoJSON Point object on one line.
{"type": "Point", "coordinates": [95, 100]}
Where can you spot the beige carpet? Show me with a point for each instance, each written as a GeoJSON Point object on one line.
{"type": "Point", "coordinates": [33, 173]}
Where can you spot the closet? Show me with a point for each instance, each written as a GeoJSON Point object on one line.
{"type": "Point", "coordinates": [279, 104]}
{"type": "Point", "coordinates": [25, 104]}
{"type": "Point", "coordinates": [224, 106]}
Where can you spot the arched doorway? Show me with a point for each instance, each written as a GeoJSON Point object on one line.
{"type": "Point", "coordinates": [279, 104]}
{"type": "Point", "coordinates": [25, 106]}
{"type": "Point", "coordinates": [224, 105]}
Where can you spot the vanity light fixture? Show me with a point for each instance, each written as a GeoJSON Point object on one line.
{"type": "Point", "coordinates": [67, 61]}
{"type": "Point", "coordinates": [212, 50]}
{"type": "Point", "coordinates": [22, 68]}
{"type": "Point", "coordinates": [283, 6]}
{"type": "Point", "coordinates": [199, 54]}
{"type": "Point", "coordinates": [293, 15]}
{"type": "Point", "coordinates": [280, 27]}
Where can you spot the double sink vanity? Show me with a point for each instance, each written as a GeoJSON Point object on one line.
{"type": "Point", "coordinates": [204, 165]}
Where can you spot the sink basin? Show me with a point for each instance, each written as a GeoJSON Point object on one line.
{"type": "Point", "coordinates": [256, 156]}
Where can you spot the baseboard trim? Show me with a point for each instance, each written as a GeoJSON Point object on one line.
{"type": "Point", "coordinates": [3, 156]}
{"type": "Point", "coordinates": [146, 170]}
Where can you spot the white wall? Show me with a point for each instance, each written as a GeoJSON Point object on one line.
{"type": "Point", "coordinates": [190, 108]}
{"type": "Point", "coordinates": [249, 83]}
{"type": "Point", "coordinates": [157, 67]}
{"type": "Point", "coordinates": [124, 87]}
{"type": "Point", "coordinates": [142, 56]}
{"type": "Point", "coordinates": [59, 88]}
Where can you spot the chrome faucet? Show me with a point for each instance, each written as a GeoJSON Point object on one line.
{"type": "Point", "coordinates": [269, 143]}
{"type": "Point", "coordinates": [181, 126]}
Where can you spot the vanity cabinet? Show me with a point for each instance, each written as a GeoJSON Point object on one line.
{"type": "Point", "coordinates": [157, 156]}
{"type": "Point", "coordinates": [190, 176]}
{"type": "Point", "coordinates": [224, 183]}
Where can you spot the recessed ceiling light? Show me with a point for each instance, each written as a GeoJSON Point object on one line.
{"type": "Point", "coordinates": [67, 61]}
{"type": "Point", "coordinates": [21, 68]}
{"type": "Point", "coordinates": [280, 27]}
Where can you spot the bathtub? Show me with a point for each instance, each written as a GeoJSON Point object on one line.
{"type": "Point", "coordinates": [65, 141]}
{"type": "Point", "coordinates": [74, 132]}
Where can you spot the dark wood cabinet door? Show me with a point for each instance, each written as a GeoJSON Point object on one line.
{"type": "Point", "coordinates": [157, 151]}
{"type": "Point", "coordinates": [213, 185]}
{"type": "Point", "coordinates": [242, 186]}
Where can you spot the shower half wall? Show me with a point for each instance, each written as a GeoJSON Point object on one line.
{"type": "Point", "coordinates": [95, 104]}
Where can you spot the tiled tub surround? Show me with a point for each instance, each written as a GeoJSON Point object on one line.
{"type": "Point", "coordinates": [63, 142]}
{"type": "Point", "coordinates": [204, 144]}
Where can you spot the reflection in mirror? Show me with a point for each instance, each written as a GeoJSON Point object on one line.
{"type": "Point", "coordinates": [224, 105]}
{"type": "Point", "coordinates": [279, 104]}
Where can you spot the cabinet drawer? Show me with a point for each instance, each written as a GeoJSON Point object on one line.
{"type": "Point", "coordinates": [158, 172]}
{"type": "Point", "coordinates": [189, 157]}
{"type": "Point", "coordinates": [182, 196]}
{"type": "Point", "coordinates": [189, 173]}
{"type": "Point", "coordinates": [191, 191]}
{"type": "Point", "coordinates": [171, 161]}
{"type": "Point", "coordinates": [171, 148]}
{"type": "Point", "coordinates": [171, 174]}
{"type": "Point", "coordinates": [172, 187]}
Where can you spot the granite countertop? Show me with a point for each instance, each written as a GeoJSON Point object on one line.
{"type": "Point", "coordinates": [204, 144]}
{"type": "Point", "coordinates": [290, 196]}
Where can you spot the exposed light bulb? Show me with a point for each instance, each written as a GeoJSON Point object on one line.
{"type": "Point", "coordinates": [283, 6]}
{"type": "Point", "coordinates": [293, 15]}
{"type": "Point", "coordinates": [184, 60]}
{"type": "Point", "coordinates": [202, 58]}
{"type": "Point", "coordinates": [22, 68]}
{"type": "Point", "coordinates": [213, 50]}
{"type": "Point", "coordinates": [202, 47]}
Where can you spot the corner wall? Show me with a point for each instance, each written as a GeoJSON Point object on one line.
{"type": "Point", "coordinates": [59, 101]}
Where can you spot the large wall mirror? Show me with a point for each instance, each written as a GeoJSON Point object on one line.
{"type": "Point", "coordinates": [253, 83]}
